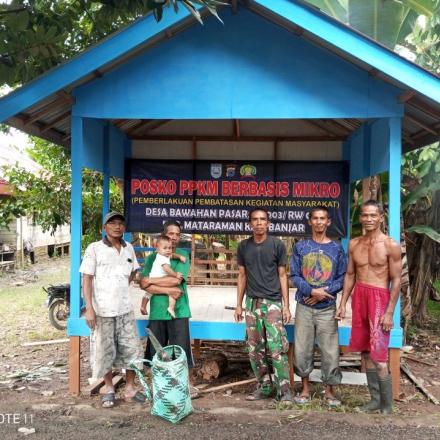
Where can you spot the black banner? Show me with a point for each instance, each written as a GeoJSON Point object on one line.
{"type": "Point", "coordinates": [216, 196]}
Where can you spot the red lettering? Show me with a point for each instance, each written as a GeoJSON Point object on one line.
{"type": "Point", "coordinates": [135, 185]}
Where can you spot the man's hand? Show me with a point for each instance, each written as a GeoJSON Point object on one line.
{"type": "Point", "coordinates": [238, 314]}
{"type": "Point", "coordinates": [318, 295]}
{"type": "Point", "coordinates": [174, 292]}
{"type": "Point", "coordinates": [179, 276]}
{"type": "Point", "coordinates": [144, 282]}
{"type": "Point", "coordinates": [387, 322]}
{"type": "Point", "coordinates": [287, 316]}
{"type": "Point", "coordinates": [340, 313]}
{"type": "Point", "coordinates": [90, 317]}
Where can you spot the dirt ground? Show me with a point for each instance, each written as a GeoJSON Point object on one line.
{"type": "Point", "coordinates": [34, 396]}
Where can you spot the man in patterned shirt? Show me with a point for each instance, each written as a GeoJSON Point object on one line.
{"type": "Point", "coordinates": [108, 267]}
{"type": "Point", "coordinates": [318, 267]}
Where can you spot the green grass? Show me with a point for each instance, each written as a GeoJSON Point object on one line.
{"type": "Point", "coordinates": [23, 312]}
{"type": "Point", "coordinates": [434, 310]}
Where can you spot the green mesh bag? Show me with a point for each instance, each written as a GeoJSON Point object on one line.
{"type": "Point", "coordinates": [170, 398]}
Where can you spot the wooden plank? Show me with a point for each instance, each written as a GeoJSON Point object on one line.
{"type": "Point", "coordinates": [75, 365]}
{"type": "Point", "coordinates": [217, 271]}
{"type": "Point", "coordinates": [394, 363]}
{"type": "Point", "coordinates": [53, 341]}
{"type": "Point", "coordinates": [291, 361]}
{"type": "Point", "coordinates": [227, 385]}
{"type": "Point", "coordinates": [241, 139]}
{"type": "Point", "coordinates": [421, 124]}
{"type": "Point", "coordinates": [201, 261]}
{"type": "Point", "coordinates": [196, 348]}
{"type": "Point", "coordinates": [418, 383]}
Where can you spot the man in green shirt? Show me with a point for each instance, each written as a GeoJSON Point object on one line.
{"type": "Point", "coordinates": [169, 331]}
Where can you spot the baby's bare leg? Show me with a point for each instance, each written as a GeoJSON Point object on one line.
{"type": "Point", "coordinates": [171, 306]}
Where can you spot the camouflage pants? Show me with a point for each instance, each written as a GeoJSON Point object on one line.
{"type": "Point", "coordinates": [267, 345]}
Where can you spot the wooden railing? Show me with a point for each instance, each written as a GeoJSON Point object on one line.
{"type": "Point", "coordinates": [213, 270]}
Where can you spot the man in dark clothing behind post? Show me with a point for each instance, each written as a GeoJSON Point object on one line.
{"type": "Point", "coordinates": [318, 268]}
{"type": "Point", "coordinates": [262, 275]}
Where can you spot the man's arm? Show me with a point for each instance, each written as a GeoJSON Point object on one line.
{"type": "Point", "coordinates": [285, 294]}
{"type": "Point", "coordinates": [303, 288]}
{"type": "Point", "coordinates": [89, 314]}
{"type": "Point", "coordinates": [241, 287]}
{"type": "Point", "coordinates": [395, 271]}
{"type": "Point", "coordinates": [349, 280]}
{"type": "Point", "coordinates": [159, 282]}
{"type": "Point", "coordinates": [337, 282]}
{"type": "Point", "coordinates": [175, 292]}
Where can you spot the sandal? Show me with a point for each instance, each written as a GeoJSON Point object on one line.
{"type": "Point", "coordinates": [194, 392]}
{"type": "Point", "coordinates": [137, 398]}
{"type": "Point", "coordinates": [302, 400]}
{"type": "Point", "coordinates": [258, 394]}
{"type": "Point", "coordinates": [108, 400]}
{"type": "Point", "coordinates": [332, 402]}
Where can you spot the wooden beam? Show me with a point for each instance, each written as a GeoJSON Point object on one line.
{"type": "Point", "coordinates": [291, 361]}
{"type": "Point", "coordinates": [406, 96]}
{"type": "Point", "coordinates": [241, 139]}
{"type": "Point", "coordinates": [322, 125]}
{"type": "Point", "coordinates": [53, 135]}
{"type": "Point", "coordinates": [75, 365]}
{"type": "Point", "coordinates": [30, 119]}
{"type": "Point", "coordinates": [234, 5]}
{"type": "Point", "coordinates": [425, 108]}
{"type": "Point", "coordinates": [58, 119]}
{"type": "Point", "coordinates": [149, 125]}
{"type": "Point", "coordinates": [421, 124]}
{"type": "Point", "coordinates": [395, 371]}
{"type": "Point", "coordinates": [237, 128]}
{"type": "Point", "coordinates": [67, 97]}
{"type": "Point", "coordinates": [139, 124]}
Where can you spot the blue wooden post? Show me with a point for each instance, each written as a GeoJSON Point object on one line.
{"type": "Point", "coordinates": [75, 252]}
{"type": "Point", "coordinates": [395, 152]}
{"type": "Point", "coordinates": [76, 216]}
{"type": "Point", "coordinates": [346, 156]}
{"type": "Point", "coordinates": [106, 171]}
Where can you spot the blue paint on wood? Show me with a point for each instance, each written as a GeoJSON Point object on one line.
{"type": "Point", "coordinates": [249, 68]}
{"type": "Point", "coordinates": [356, 155]}
{"type": "Point", "coordinates": [380, 146]}
{"type": "Point", "coordinates": [394, 177]}
{"type": "Point", "coordinates": [117, 149]}
{"type": "Point", "coordinates": [76, 217]}
{"type": "Point", "coordinates": [366, 148]}
{"type": "Point", "coordinates": [224, 331]}
{"type": "Point", "coordinates": [106, 172]}
{"type": "Point", "coordinates": [308, 18]}
{"type": "Point", "coordinates": [93, 157]}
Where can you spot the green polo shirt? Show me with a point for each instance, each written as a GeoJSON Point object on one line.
{"type": "Point", "coordinates": [159, 303]}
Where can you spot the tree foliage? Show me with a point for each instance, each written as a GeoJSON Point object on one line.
{"type": "Point", "coordinates": [45, 196]}
{"type": "Point", "coordinates": [386, 21]}
{"type": "Point", "coordinates": [39, 34]}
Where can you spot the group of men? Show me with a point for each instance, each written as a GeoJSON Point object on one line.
{"type": "Point", "coordinates": [319, 271]}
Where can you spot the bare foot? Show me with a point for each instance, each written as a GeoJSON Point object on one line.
{"type": "Point", "coordinates": [171, 312]}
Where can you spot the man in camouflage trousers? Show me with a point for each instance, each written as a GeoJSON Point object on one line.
{"type": "Point", "coordinates": [262, 276]}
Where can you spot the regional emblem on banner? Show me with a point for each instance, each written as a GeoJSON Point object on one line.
{"type": "Point", "coordinates": [216, 170]}
{"type": "Point", "coordinates": [248, 170]}
{"type": "Point", "coordinates": [230, 170]}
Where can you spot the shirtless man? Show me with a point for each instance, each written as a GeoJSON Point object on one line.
{"type": "Point", "coordinates": [374, 270]}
